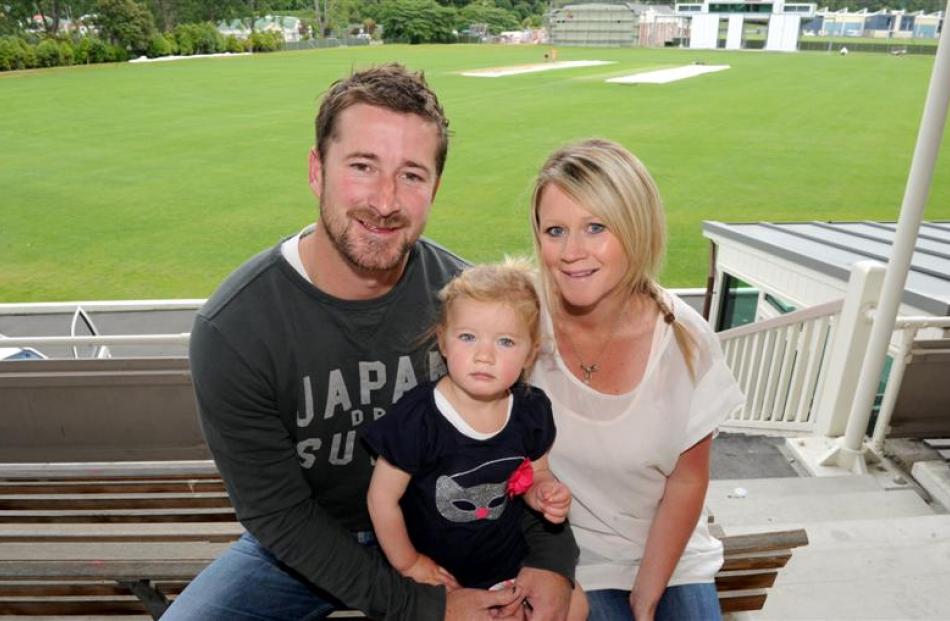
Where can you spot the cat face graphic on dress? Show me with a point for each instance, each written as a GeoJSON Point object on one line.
{"type": "Point", "coordinates": [455, 503]}
{"type": "Point", "coordinates": [458, 502]}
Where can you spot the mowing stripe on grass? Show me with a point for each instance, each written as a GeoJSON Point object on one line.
{"type": "Point", "coordinates": [500, 72]}
{"type": "Point", "coordinates": [665, 76]}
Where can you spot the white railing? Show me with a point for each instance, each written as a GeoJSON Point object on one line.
{"type": "Point", "coordinates": [799, 371]}
{"type": "Point", "coordinates": [778, 364]}
{"type": "Point", "coordinates": [908, 328]}
{"type": "Point", "coordinates": [98, 306]}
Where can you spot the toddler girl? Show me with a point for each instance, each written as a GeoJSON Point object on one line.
{"type": "Point", "coordinates": [455, 455]}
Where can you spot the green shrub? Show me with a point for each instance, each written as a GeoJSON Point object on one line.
{"type": "Point", "coordinates": [48, 54]}
{"type": "Point", "coordinates": [7, 53]}
{"type": "Point", "coordinates": [185, 39]}
{"type": "Point", "coordinates": [199, 39]}
{"type": "Point", "coordinates": [15, 53]}
{"type": "Point", "coordinates": [92, 50]}
{"type": "Point", "coordinates": [66, 53]}
{"type": "Point", "coordinates": [172, 43]}
{"type": "Point", "coordinates": [209, 40]}
{"type": "Point", "coordinates": [266, 41]}
{"type": "Point", "coordinates": [117, 54]}
{"type": "Point", "coordinates": [158, 46]}
{"type": "Point", "coordinates": [233, 45]}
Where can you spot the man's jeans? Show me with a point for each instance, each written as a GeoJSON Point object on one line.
{"type": "Point", "coordinates": [686, 602]}
{"type": "Point", "coordinates": [248, 583]}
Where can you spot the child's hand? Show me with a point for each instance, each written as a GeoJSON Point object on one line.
{"type": "Point", "coordinates": [427, 571]}
{"type": "Point", "coordinates": [552, 498]}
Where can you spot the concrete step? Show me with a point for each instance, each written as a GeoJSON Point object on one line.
{"type": "Point", "coordinates": [766, 509]}
{"type": "Point", "coordinates": [784, 486]}
{"type": "Point", "coordinates": [896, 568]}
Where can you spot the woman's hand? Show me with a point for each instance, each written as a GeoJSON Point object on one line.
{"type": "Point", "coordinates": [643, 608]}
{"type": "Point", "coordinates": [427, 571]}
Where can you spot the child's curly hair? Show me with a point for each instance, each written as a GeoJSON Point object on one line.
{"type": "Point", "coordinates": [511, 282]}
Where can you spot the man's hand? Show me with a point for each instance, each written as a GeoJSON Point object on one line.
{"type": "Point", "coordinates": [548, 595]}
{"type": "Point", "coordinates": [427, 571]}
{"type": "Point", "coordinates": [481, 605]}
{"type": "Point", "coordinates": [552, 499]}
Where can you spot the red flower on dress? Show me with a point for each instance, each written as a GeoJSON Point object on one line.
{"type": "Point", "coordinates": [520, 480]}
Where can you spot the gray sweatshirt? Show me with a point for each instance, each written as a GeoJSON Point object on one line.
{"type": "Point", "coordinates": [285, 375]}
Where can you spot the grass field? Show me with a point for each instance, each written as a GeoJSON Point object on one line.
{"type": "Point", "coordinates": [156, 180]}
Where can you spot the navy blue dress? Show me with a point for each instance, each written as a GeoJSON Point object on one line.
{"type": "Point", "coordinates": [456, 506]}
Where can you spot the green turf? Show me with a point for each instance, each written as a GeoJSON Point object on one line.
{"type": "Point", "coordinates": [155, 181]}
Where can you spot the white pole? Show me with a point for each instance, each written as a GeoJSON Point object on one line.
{"type": "Point", "coordinates": [849, 453]}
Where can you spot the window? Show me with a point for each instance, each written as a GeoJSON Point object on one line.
{"type": "Point", "coordinates": [779, 305]}
{"type": "Point", "coordinates": [738, 304]}
{"type": "Point", "coordinates": [739, 7]}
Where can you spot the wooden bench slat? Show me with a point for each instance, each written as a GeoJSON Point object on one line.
{"type": "Point", "coordinates": [100, 470]}
{"type": "Point", "coordinates": [11, 502]}
{"type": "Point", "coordinates": [43, 607]}
{"type": "Point", "coordinates": [742, 603]}
{"type": "Point", "coordinates": [113, 570]}
{"type": "Point", "coordinates": [120, 486]}
{"type": "Point", "coordinates": [772, 560]}
{"type": "Point", "coordinates": [78, 588]}
{"type": "Point", "coordinates": [745, 581]}
{"type": "Point", "coordinates": [100, 552]}
{"type": "Point", "coordinates": [210, 514]}
{"type": "Point", "coordinates": [178, 531]}
{"type": "Point", "coordinates": [761, 542]}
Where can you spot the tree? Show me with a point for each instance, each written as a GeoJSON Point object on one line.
{"type": "Point", "coordinates": [125, 23]}
{"type": "Point", "coordinates": [496, 18]}
{"type": "Point", "coordinates": [417, 21]}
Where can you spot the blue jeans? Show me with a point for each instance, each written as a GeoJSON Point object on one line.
{"type": "Point", "coordinates": [686, 602]}
{"type": "Point", "coordinates": [248, 583]}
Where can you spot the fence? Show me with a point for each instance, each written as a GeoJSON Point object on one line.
{"type": "Point", "coordinates": [891, 47]}
{"type": "Point", "coordinates": [310, 44]}
{"type": "Point", "coordinates": [778, 365]}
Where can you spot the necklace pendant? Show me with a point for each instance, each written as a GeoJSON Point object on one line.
{"type": "Point", "coordinates": [588, 371]}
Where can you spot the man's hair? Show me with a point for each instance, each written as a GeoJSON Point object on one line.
{"type": "Point", "coordinates": [389, 86]}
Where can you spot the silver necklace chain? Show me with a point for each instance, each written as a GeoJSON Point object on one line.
{"type": "Point", "coordinates": [589, 369]}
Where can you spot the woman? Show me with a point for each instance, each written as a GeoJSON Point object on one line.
{"type": "Point", "coordinates": [638, 385]}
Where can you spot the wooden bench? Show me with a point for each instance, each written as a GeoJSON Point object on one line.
{"type": "Point", "coordinates": [99, 540]}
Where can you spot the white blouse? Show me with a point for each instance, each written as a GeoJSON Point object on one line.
{"type": "Point", "coordinates": [615, 452]}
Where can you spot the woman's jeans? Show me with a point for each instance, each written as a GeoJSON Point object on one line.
{"type": "Point", "coordinates": [248, 582]}
{"type": "Point", "coordinates": [686, 602]}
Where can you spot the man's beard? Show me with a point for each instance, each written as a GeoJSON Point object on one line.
{"type": "Point", "coordinates": [367, 253]}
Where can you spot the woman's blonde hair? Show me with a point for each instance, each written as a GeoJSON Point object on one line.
{"type": "Point", "coordinates": [510, 282]}
{"type": "Point", "coordinates": [612, 184]}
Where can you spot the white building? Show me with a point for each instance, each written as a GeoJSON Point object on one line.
{"type": "Point", "coordinates": [885, 24]}
{"type": "Point", "coordinates": [711, 19]}
{"type": "Point", "coordinates": [614, 24]}
{"type": "Point", "coordinates": [289, 27]}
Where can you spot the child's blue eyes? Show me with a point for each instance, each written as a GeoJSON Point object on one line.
{"type": "Point", "coordinates": [467, 337]}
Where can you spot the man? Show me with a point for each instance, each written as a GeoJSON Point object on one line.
{"type": "Point", "coordinates": [310, 340]}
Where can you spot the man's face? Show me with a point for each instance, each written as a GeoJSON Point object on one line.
{"type": "Point", "coordinates": [376, 184]}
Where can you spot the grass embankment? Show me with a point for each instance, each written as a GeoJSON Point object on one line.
{"type": "Point", "coordinates": [155, 181]}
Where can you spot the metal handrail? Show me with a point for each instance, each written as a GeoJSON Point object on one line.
{"type": "Point", "coordinates": [908, 327]}
{"type": "Point", "coordinates": [102, 339]}
{"type": "Point", "coordinates": [99, 306]}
